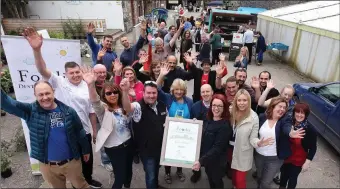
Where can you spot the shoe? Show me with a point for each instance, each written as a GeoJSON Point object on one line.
{"type": "Point", "coordinates": [181, 176]}
{"type": "Point", "coordinates": [95, 184]}
{"type": "Point", "coordinates": [107, 166]}
{"type": "Point", "coordinates": [276, 180]}
{"type": "Point", "coordinates": [195, 177]}
{"type": "Point", "coordinates": [136, 159]}
{"type": "Point", "coordinates": [167, 178]}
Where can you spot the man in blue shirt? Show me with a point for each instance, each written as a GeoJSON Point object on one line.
{"type": "Point", "coordinates": [129, 55]}
{"type": "Point", "coordinates": [101, 53]}
{"type": "Point", "coordinates": [55, 132]}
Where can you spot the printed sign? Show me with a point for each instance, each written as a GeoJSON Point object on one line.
{"type": "Point", "coordinates": [237, 38]}
{"type": "Point", "coordinates": [24, 74]}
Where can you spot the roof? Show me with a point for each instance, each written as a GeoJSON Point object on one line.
{"type": "Point", "coordinates": [251, 10]}
{"type": "Point", "coordinates": [318, 14]}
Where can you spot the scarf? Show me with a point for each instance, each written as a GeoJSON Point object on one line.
{"type": "Point", "coordinates": [302, 124]}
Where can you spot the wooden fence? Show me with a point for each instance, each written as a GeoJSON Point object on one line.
{"type": "Point", "coordinates": [17, 25]}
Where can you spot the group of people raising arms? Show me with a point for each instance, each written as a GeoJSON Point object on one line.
{"type": "Point", "coordinates": [241, 122]}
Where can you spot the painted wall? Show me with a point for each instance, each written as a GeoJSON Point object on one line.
{"type": "Point", "coordinates": [312, 54]}
{"type": "Point", "coordinates": [111, 11]}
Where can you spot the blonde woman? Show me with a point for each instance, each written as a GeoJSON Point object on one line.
{"type": "Point", "coordinates": [178, 105]}
{"type": "Point", "coordinates": [242, 59]}
{"type": "Point", "coordinates": [245, 125]}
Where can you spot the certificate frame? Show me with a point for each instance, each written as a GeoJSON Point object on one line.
{"type": "Point", "coordinates": [180, 163]}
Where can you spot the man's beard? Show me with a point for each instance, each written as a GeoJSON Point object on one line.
{"type": "Point", "coordinates": [241, 82]}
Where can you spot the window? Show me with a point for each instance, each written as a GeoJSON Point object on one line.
{"type": "Point", "coordinates": [330, 92]}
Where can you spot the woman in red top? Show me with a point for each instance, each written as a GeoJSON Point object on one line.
{"type": "Point", "coordinates": [303, 150]}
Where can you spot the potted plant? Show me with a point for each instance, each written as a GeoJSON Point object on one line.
{"type": "Point", "coordinates": [6, 170]}
{"type": "Point", "coordinates": [6, 82]}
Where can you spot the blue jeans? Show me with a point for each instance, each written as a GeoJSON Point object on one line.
{"type": "Point", "coordinates": [103, 156]}
{"type": "Point", "coordinates": [260, 56]}
{"type": "Point", "coordinates": [151, 169]}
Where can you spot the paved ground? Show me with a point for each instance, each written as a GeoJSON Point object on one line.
{"type": "Point", "coordinates": [323, 173]}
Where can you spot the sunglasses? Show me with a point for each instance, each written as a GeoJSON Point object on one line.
{"type": "Point", "coordinates": [150, 82]}
{"type": "Point", "coordinates": [110, 93]}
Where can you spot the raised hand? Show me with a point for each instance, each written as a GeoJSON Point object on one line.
{"type": "Point", "coordinates": [165, 69]}
{"type": "Point", "coordinates": [255, 83]}
{"type": "Point", "coordinates": [117, 66]}
{"type": "Point", "coordinates": [149, 37]}
{"type": "Point", "coordinates": [88, 75]}
{"type": "Point", "coordinates": [34, 39]}
{"type": "Point", "coordinates": [187, 58]}
{"type": "Point", "coordinates": [125, 85]}
{"type": "Point", "coordinates": [90, 27]}
{"type": "Point", "coordinates": [222, 57]}
{"type": "Point", "coordinates": [297, 133]}
{"type": "Point", "coordinates": [143, 25]}
{"type": "Point", "coordinates": [181, 26]}
{"type": "Point", "coordinates": [219, 68]}
{"type": "Point", "coordinates": [266, 142]}
{"type": "Point", "coordinates": [143, 59]}
{"type": "Point", "coordinates": [101, 53]}
{"type": "Point", "coordinates": [270, 84]}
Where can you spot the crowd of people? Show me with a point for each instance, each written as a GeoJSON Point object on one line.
{"type": "Point", "coordinates": [120, 104]}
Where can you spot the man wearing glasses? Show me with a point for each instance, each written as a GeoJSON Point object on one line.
{"type": "Point", "coordinates": [148, 130]}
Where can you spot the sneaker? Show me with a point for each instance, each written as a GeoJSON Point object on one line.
{"type": "Point", "coordinates": [136, 159]}
{"type": "Point", "coordinates": [107, 166]}
{"type": "Point", "coordinates": [95, 184]}
{"type": "Point", "coordinates": [276, 180]}
{"type": "Point", "coordinates": [195, 177]}
{"type": "Point", "coordinates": [167, 178]}
{"type": "Point", "coordinates": [181, 176]}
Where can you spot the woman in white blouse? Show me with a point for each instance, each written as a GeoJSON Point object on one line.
{"type": "Point", "coordinates": [114, 133]}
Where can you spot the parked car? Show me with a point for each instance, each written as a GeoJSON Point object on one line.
{"type": "Point", "coordinates": [324, 102]}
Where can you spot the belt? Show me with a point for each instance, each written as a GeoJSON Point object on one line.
{"type": "Point", "coordinates": [123, 145]}
{"type": "Point", "coordinates": [60, 163]}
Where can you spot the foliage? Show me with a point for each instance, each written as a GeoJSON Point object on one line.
{"type": "Point", "coordinates": [13, 32]}
{"type": "Point", "coordinates": [6, 81]}
{"type": "Point", "coordinates": [56, 34]}
{"type": "Point", "coordinates": [5, 161]}
{"type": "Point", "coordinates": [19, 140]}
{"type": "Point", "coordinates": [73, 29]}
{"type": "Point", "coordinates": [15, 8]}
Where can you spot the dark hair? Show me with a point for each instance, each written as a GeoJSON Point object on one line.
{"type": "Point", "coordinates": [150, 84]}
{"type": "Point", "coordinates": [171, 27]}
{"type": "Point", "coordinates": [39, 82]}
{"type": "Point", "coordinates": [274, 101]}
{"type": "Point", "coordinates": [141, 50]}
{"type": "Point", "coordinates": [70, 65]}
{"type": "Point", "coordinates": [205, 61]}
{"type": "Point", "coordinates": [232, 79]}
{"type": "Point", "coordinates": [226, 114]}
{"type": "Point", "coordinates": [191, 18]}
{"type": "Point", "coordinates": [240, 70]}
{"type": "Point", "coordinates": [108, 36]}
{"type": "Point", "coordinates": [112, 87]}
{"type": "Point", "coordinates": [151, 73]}
{"type": "Point", "coordinates": [301, 107]}
{"type": "Point", "coordinates": [270, 75]}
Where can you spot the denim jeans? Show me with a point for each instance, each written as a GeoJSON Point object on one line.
{"type": "Point", "coordinates": [260, 56]}
{"type": "Point", "coordinates": [121, 160]}
{"type": "Point", "coordinates": [151, 169]}
{"type": "Point", "coordinates": [104, 158]}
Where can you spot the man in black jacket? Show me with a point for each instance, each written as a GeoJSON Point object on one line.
{"type": "Point", "coordinates": [148, 130]}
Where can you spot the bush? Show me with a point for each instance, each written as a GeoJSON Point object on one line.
{"type": "Point", "coordinates": [5, 162]}
{"type": "Point", "coordinates": [19, 141]}
{"type": "Point", "coordinates": [12, 32]}
{"type": "Point", "coordinates": [56, 35]}
{"type": "Point", "coordinates": [6, 81]}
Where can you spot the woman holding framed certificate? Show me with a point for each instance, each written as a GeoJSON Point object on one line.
{"type": "Point", "coordinates": [178, 105]}
{"type": "Point", "coordinates": [215, 137]}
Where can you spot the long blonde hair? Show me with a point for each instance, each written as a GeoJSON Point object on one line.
{"type": "Point", "coordinates": [247, 52]}
{"type": "Point", "coordinates": [235, 113]}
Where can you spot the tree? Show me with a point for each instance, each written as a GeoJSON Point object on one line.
{"type": "Point", "coordinates": [16, 8]}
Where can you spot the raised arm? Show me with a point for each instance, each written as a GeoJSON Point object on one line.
{"type": "Point", "coordinates": [164, 71]}
{"type": "Point", "coordinates": [125, 86]}
{"type": "Point", "coordinates": [142, 36]}
{"type": "Point", "coordinates": [219, 75]}
{"type": "Point", "coordinates": [90, 40]}
{"type": "Point", "coordinates": [19, 109]}
{"type": "Point", "coordinates": [255, 84]}
{"type": "Point", "coordinates": [35, 40]}
{"type": "Point", "coordinates": [262, 99]}
{"type": "Point", "coordinates": [177, 34]}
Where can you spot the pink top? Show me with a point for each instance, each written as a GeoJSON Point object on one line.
{"type": "Point", "coordinates": [138, 88]}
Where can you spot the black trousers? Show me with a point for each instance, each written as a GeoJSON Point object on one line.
{"type": "Point", "coordinates": [250, 50]}
{"type": "Point", "coordinates": [215, 175]}
{"type": "Point", "coordinates": [289, 174]}
{"type": "Point", "coordinates": [121, 159]}
{"type": "Point", "coordinates": [168, 169]}
{"type": "Point", "coordinates": [88, 166]}
{"type": "Point", "coordinates": [215, 56]}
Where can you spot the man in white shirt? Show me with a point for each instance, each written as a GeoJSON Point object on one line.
{"type": "Point", "coordinates": [72, 91]}
{"type": "Point", "coordinates": [248, 38]}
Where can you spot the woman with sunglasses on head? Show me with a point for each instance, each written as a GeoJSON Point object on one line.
{"type": "Point", "coordinates": [136, 87]}
{"type": "Point", "coordinates": [178, 106]}
{"type": "Point", "coordinates": [245, 126]}
{"type": "Point", "coordinates": [215, 137]}
{"type": "Point", "coordinates": [274, 124]}
{"type": "Point", "coordinates": [114, 133]}
{"type": "Point", "coordinates": [302, 150]}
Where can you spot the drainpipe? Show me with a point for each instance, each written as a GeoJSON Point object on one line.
{"type": "Point", "coordinates": [133, 12]}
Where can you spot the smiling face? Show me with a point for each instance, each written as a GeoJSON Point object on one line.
{"type": "Point", "coordinates": [231, 88]}
{"type": "Point", "coordinates": [157, 69]}
{"type": "Point", "coordinates": [279, 110]}
{"type": "Point", "coordinates": [150, 95]}
{"type": "Point", "coordinates": [243, 52]}
{"type": "Point", "coordinates": [74, 75]}
{"type": "Point", "coordinates": [172, 61]}
{"type": "Point", "coordinates": [172, 31]}
{"type": "Point", "coordinates": [178, 92]}
{"type": "Point", "coordinates": [241, 76]}
{"type": "Point", "coordinates": [124, 41]}
{"type": "Point", "coordinates": [44, 95]}
{"type": "Point", "coordinates": [217, 108]}
{"type": "Point", "coordinates": [206, 67]}
{"type": "Point", "coordinates": [141, 53]}
{"type": "Point", "coordinates": [300, 116]}
{"type": "Point", "coordinates": [242, 102]}
{"type": "Point", "coordinates": [107, 42]}
{"type": "Point", "coordinates": [206, 93]}
{"type": "Point", "coordinates": [187, 35]}
{"type": "Point", "coordinates": [287, 94]}
{"type": "Point", "coordinates": [100, 71]}
{"type": "Point", "coordinates": [111, 96]}
{"type": "Point", "coordinates": [130, 75]}
{"type": "Point", "coordinates": [264, 78]}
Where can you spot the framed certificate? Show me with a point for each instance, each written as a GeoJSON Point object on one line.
{"type": "Point", "coordinates": [181, 142]}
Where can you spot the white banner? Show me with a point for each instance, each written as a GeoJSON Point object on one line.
{"type": "Point", "coordinates": [24, 73]}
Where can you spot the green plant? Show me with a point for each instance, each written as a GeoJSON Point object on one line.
{"type": "Point", "coordinates": [19, 140]}
{"type": "Point", "coordinates": [73, 29]}
{"type": "Point", "coordinates": [13, 32]}
{"type": "Point", "coordinates": [56, 34]}
{"type": "Point", "coordinates": [5, 161]}
{"type": "Point", "coordinates": [6, 81]}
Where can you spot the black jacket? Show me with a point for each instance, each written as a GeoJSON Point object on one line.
{"type": "Point", "coordinates": [197, 75]}
{"type": "Point", "coordinates": [140, 76]}
{"type": "Point", "coordinates": [178, 72]}
{"type": "Point", "coordinates": [215, 138]}
{"type": "Point", "coordinates": [148, 132]}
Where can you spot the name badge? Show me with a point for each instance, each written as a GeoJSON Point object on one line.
{"type": "Point", "coordinates": [232, 143]}
{"type": "Point", "coordinates": [163, 113]}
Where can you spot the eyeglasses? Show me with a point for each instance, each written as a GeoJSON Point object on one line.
{"type": "Point", "coordinates": [217, 106]}
{"type": "Point", "coordinates": [110, 93]}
